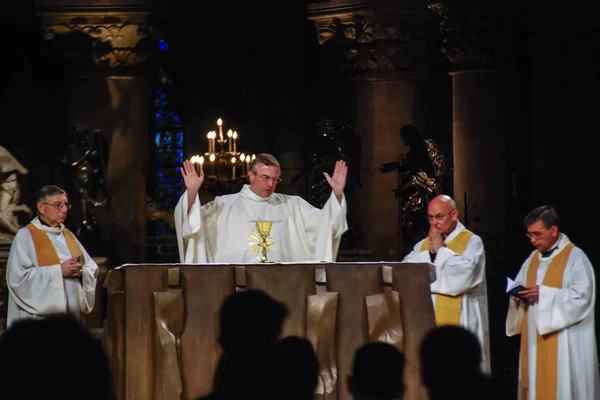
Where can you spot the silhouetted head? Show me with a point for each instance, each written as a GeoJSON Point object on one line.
{"type": "Point", "coordinates": [410, 135]}
{"type": "Point", "coordinates": [298, 369]}
{"type": "Point", "coordinates": [377, 372]}
{"type": "Point", "coordinates": [449, 354]}
{"type": "Point", "coordinates": [52, 358]}
{"type": "Point", "coordinates": [250, 318]}
{"type": "Point", "coordinates": [542, 225]}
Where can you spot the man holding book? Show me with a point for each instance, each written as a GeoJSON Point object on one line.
{"type": "Point", "coordinates": [556, 317]}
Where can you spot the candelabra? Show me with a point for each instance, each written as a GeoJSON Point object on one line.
{"type": "Point", "coordinates": [226, 168]}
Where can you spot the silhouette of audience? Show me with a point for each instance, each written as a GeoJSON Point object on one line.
{"type": "Point", "coordinates": [250, 329]}
{"type": "Point", "coordinates": [298, 372]}
{"type": "Point", "coordinates": [451, 365]}
{"type": "Point", "coordinates": [377, 373]}
{"type": "Point", "coordinates": [52, 358]}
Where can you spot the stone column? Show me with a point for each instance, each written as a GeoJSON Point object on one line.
{"type": "Point", "coordinates": [382, 74]}
{"type": "Point", "coordinates": [108, 77]}
{"type": "Point", "coordinates": [489, 128]}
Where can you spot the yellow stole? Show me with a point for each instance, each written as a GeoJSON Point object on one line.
{"type": "Point", "coordinates": [547, 345]}
{"type": "Point", "coordinates": [447, 308]}
{"type": "Point", "coordinates": [44, 249]}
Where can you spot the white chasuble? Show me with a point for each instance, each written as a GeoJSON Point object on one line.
{"type": "Point", "coordinates": [219, 231]}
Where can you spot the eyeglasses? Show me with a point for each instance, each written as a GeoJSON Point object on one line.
{"type": "Point", "coordinates": [535, 235]}
{"type": "Point", "coordinates": [59, 206]}
{"type": "Point", "coordinates": [267, 178]}
{"type": "Point", "coordinates": [439, 217]}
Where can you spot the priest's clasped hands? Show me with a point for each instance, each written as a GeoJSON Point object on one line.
{"type": "Point", "coordinates": [72, 267]}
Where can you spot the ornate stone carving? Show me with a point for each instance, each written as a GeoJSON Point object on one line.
{"type": "Point", "coordinates": [106, 44]}
{"type": "Point", "coordinates": [373, 49]}
{"type": "Point", "coordinates": [466, 34]}
{"type": "Point", "coordinates": [10, 195]}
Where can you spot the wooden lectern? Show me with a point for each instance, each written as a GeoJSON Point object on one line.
{"type": "Point", "coordinates": [162, 320]}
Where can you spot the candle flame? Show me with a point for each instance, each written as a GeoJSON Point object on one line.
{"type": "Point", "coordinates": [212, 157]}
{"type": "Point", "coordinates": [253, 156]}
{"type": "Point", "coordinates": [219, 122]}
{"type": "Point", "coordinates": [201, 160]}
{"type": "Point", "coordinates": [235, 134]}
{"type": "Point", "coordinates": [229, 133]}
{"type": "Point", "coordinates": [233, 160]}
{"type": "Point", "coordinates": [242, 157]}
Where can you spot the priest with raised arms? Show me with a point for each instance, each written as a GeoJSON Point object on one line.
{"type": "Point", "coordinates": [221, 230]}
{"type": "Point", "coordinates": [558, 357]}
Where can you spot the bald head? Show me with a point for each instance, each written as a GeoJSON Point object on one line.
{"type": "Point", "coordinates": [445, 201]}
{"type": "Point", "coordinates": [442, 214]}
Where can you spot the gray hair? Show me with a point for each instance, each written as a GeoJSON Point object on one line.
{"type": "Point", "coordinates": [46, 192]}
{"type": "Point", "coordinates": [263, 158]}
{"type": "Point", "coordinates": [547, 214]}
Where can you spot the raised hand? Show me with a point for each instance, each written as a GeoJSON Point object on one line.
{"type": "Point", "coordinates": [192, 181]}
{"type": "Point", "coordinates": [338, 180]}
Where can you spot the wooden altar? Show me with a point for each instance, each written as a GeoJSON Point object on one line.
{"type": "Point", "coordinates": [162, 320]}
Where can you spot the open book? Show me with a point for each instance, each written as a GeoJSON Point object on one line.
{"type": "Point", "coordinates": [513, 288]}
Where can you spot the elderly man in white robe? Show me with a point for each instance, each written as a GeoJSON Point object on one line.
{"type": "Point", "coordinates": [220, 231]}
{"type": "Point", "coordinates": [555, 316]}
{"type": "Point", "coordinates": [48, 270]}
{"type": "Point", "coordinates": [459, 293]}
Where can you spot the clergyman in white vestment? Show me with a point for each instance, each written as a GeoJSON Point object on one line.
{"type": "Point", "coordinates": [220, 231]}
{"type": "Point", "coordinates": [459, 293]}
{"type": "Point", "coordinates": [558, 357]}
{"type": "Point", "coordinates": [48, 270]}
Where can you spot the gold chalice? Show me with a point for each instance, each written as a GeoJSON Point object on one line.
{"type": "Point", "coordinates": [260, 239]}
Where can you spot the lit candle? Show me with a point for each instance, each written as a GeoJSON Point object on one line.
{"type": "Point", "coordinates": [233, 168]}
{"type": "Point", "coordinates": [242, 159]}
{"type": "Point", "coordinates": [212, 163]}
{"type": "Point", "coordinates": [229, 134]}
{"type": "Point", "coordinates": [248, 163]}
{"type": "Point", "coordinates": [220, 123]}
{"type": "Point", "coordinates": [235, 142]}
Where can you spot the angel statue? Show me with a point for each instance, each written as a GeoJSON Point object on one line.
{"type": "Point", "coordinates": [10, 194]}
{"type": "Point", "coordinates": [421, 177]}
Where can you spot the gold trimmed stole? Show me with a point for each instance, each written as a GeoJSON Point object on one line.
{"type": "Point", "coordinates": [44, 249]}
{"type": "Point", "coordinates": [447, 308]}
{"type": "Point", "coordinates": [547, 345]}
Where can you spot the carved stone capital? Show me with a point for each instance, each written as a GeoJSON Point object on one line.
{"type": "Point", "coordinates": [101, 42]}
{"type": "Point", "coordinates": [468, 35]}
{"type": "Point", "coordinates": [371, 48]}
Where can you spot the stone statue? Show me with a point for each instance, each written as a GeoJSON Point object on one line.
{"type": "Point", "coordinates": [85, 155]}
{"type": "Point", "coordinates": [10, 194]}
{"type": "Point", "coordinates": [332, 142]}
{"type": "Point", "coordinates": [421, 177]}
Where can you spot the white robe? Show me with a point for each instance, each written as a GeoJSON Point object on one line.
{"type": "Point", "coordinates": [218, 231]}
{"type": "Point", "coordinates": [570, 311]}
{"type": "Point", "coordinates": [34, 291]}
{"type": "Point", "coordinates": [464, 275]}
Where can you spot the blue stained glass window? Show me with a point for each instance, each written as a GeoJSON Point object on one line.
{"type": "Point", "coordinates": [168, 152]}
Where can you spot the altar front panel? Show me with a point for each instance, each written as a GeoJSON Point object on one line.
{"type": "Point", "coordinates": [133, 342]}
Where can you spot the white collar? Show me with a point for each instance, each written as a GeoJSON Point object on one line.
{"type": "Point", "coordinates": [457, 229]}
{"type": "Point", "coordinates": [56, 230]}
{"type": "Point", "coordinates": [253, 196]}
{"type": "Point", "coordinates": [561, 243]}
